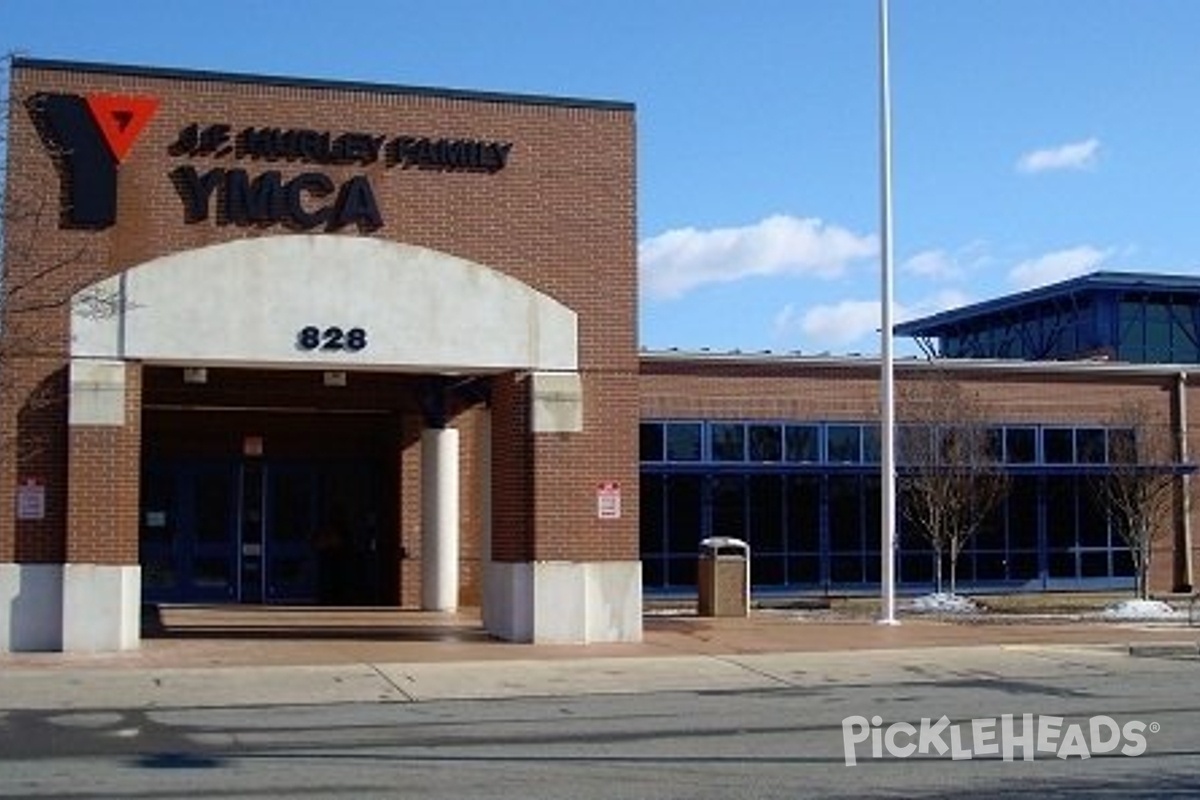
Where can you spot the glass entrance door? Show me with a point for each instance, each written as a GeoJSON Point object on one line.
{"type": "Point", "coordinates": [251, 534]}
{"type": "Point", "coordinates": [292, 565]}
{"type": "Point", "coordinates": [261, 531]}
{"type": "Point", "coordinates": [188, 525]}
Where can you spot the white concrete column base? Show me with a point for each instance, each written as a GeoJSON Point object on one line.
{"type": "Point", "coordinates": [101, 608]}
{"type": "Point", "coordinates": [564, 602]}
{"type": "Point", "coordinates": [31, 604]}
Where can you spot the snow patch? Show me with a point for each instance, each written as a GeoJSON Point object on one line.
{"type": "Point", "coordinates": [1142, 609]}
{"type": "Point", "coordinates": [943, 603]}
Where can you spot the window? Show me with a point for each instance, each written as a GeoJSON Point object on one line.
{"type": "Point", "coordinates": [653, 517]}
{"type": "Point", "coordinates": [994, 445]}
{"type": "Point", "coordinates": [766, 443]}
{"type": "Point", "coordinates": [844, 444]}
{"type": "Point", "coordinates": [1058, 446]}
{"type": "Point", "coordinates": [650, 442]}
{"type": "Point", "coordinates": [1089, 446]}
{"type": "Point", "coordinates": [804, 514]}
{"type": "Point", "coordinates": [1122, 446]}
{"type": "Point", "coordinates": [914, 444]}
{"type": "Point", "coordinates": [1020, 445]}
{"type": "Point", "coordinates": [803, 443]}
{"type": "Point", "coordinates": [1158, 334]}
{"type": "Point", "coordinates": [765, 528]}
{"type": "Point", "coordinates": [728, 441]}
{"type": "Point", "coordinates": [683, 502]}
{"type": "Point", "coordinates": [683, 441]}
{"type": "Point", "coordinates": [729, 506]}
{"type": "Point", "coordinates": [871, 446]}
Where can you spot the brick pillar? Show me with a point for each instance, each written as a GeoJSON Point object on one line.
{"type": "Point", "coordinates": [102, 579]}
{"type": "Point", "coordinates": [512, 471]}
{"type": "Point", "coordinates": [560, 571]}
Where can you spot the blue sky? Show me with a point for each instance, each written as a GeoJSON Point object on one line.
{"type": "Point", "coordinates": [1034, 140]}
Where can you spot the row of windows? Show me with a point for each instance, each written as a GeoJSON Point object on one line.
{"type": "Point", "coordinates": [806, 530]}
{"type": "Point", "coordinates": [1149, 331]}
{"type": "Point", "coordinates": [848, 443]}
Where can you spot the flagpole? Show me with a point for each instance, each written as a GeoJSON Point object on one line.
{"type": "Point", "coordinates": [887, 545]}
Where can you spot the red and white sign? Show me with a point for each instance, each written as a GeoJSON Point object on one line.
{"type": "Point", "coordinates": [608, 500]}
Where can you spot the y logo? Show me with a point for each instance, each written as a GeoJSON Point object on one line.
{"type": "Point", "coordinates": [89, 137]}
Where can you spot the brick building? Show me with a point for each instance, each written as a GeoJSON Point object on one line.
{"type": "Point", "coordinates": [784, 452]}
{"type": "Point", "coordinates": [1080, 394]}
{"type": "Point", "coordinates": [288, 341]}
{"type": "Point", "coordinates": [271, 340]}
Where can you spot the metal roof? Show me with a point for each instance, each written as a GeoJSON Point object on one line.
{"type": "Point", "coordinates": [1096, 282]}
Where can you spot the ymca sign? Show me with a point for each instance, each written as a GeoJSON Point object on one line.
{"type": "Point", "coordinates": [91, 136]}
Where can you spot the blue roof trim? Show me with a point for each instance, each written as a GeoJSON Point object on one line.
{"type": "Point", "coordinates": [19, 62]}
{"type": "Point", "coordinates": [1086, 284]}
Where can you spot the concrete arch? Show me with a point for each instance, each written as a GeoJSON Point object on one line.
{"type": "Point", "coordinates": [245, 303]}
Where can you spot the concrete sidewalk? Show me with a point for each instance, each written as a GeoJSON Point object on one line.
{"type": "Point", "coordinates": [248, 656]}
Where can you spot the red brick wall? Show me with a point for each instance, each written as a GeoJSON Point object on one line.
{"type": "Point", "coordinates": [841, 389]}
{"type": "Point", "coordinates": [34, 448]}
{"type": "Point", "coordinates": [559, 217]}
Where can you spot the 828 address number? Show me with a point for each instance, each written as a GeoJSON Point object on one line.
{"type": "Point", "coordinates": [311, 337]}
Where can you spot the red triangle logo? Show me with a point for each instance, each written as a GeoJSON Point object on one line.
{"type": "Point", "coordinates": [121, 119]}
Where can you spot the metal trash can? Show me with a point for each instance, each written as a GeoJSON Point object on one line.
{"type": "Point", "coordinates": [723, 577]}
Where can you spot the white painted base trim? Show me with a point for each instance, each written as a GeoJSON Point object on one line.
{"type": "Point", "coordinates": [31, 603]}
{"type": "Point", "coordinates": [101, 608]}
{"type": "Point", "coordinates": [564, 602]}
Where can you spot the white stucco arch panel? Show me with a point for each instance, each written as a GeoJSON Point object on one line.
{"type": "Point", "coordinates": [244, 302]}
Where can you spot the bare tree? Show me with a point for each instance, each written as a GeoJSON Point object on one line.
{"type": "Point", "coordinates": [34, 278]}
{"type": "Point", "coordinates": [1138, 485]}
{"type": "Point", "coordinates": [948, 466]}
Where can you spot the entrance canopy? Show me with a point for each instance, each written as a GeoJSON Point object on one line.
{"type": "Point", "coordinates": [326, 302]}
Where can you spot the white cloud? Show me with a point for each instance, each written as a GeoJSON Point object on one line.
{"type": "Point", "coordinates": [1057, 266]}
{"type": "Point", "coordinates": [950, 265]}
{"type": "Point", "coordinates": [842, 323]}
{"type": "Point", "coordinates": [785, 321]}
{"type": "Point", "coordinates": [854, 323]}
{"type": "Point", "coordinates": [1075, 155]}
{"type": "Point", "coordinates": [677, 261]}
{"type": "Point", "coordinates": [933, 264]}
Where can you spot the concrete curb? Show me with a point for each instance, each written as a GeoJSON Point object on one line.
{"type": "Point", "coordinates": [1165, 649]}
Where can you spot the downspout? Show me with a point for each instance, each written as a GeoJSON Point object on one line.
{"type": "Point", "coordinates": [1186, 479]}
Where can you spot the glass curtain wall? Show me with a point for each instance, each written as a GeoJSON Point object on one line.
{"type": "Point", "coordinates": [805, 497]}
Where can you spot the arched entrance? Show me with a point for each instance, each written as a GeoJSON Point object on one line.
{"type": "Point", "coordinates": [222, 341]}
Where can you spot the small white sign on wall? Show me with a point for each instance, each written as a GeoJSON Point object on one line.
{"type": "Point", "coordinates": [31, 500]}
{"type": "Point", "coordinates": [608, 500]}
